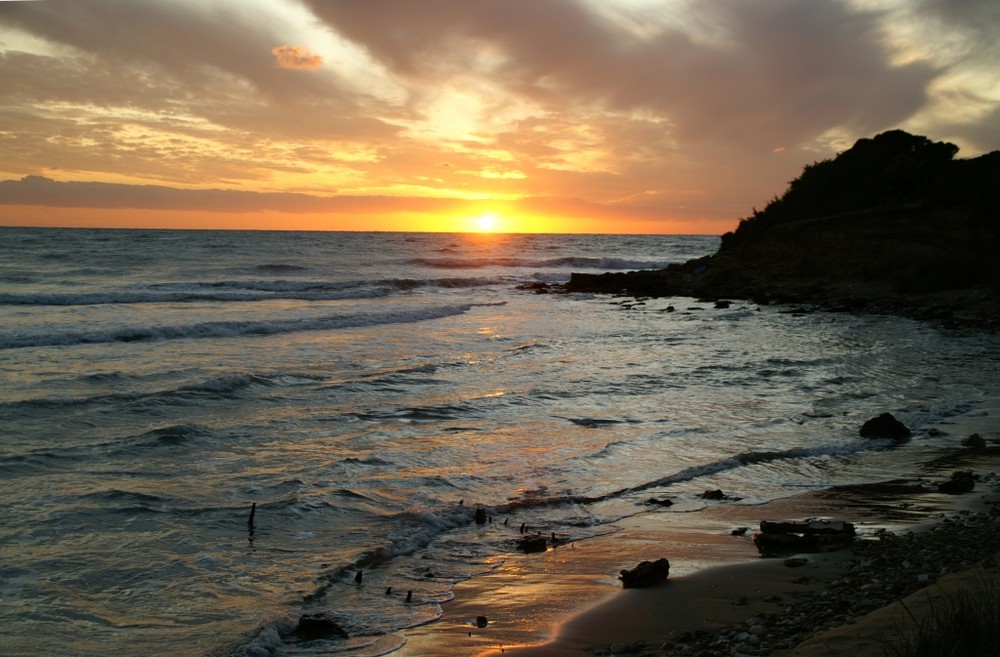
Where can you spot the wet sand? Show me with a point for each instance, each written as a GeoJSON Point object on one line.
{"type": "Point", "coordinates": [568, 600]}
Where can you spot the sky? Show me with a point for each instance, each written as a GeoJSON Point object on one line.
{"type": "Point", "coordinates": [594, 116]}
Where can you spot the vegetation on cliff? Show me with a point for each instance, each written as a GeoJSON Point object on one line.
{"type": "Point", "coordinates": [895, 222]}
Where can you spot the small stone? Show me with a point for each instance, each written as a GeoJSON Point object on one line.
{"type": "Point", "coordinates": [482, 621]}
{"type": "Point", "coordinates": [796, 562]}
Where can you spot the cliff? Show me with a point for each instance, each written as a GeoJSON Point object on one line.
{"type": "Point", "coordinates": [894, 224]}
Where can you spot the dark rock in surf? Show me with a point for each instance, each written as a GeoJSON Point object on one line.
{"type": "Point", "coordinates": [974, 441]}
{"type": "Point", "coordinates": [531, 544]}
{"type": "Point", "coordinates": [480, 516]}
{"type": "Point", "coordinates": [537, 288]}
{"type": "Point", "coordinates": [884, 426]}
{"type": "Point", "coordinates": [716, 494]}
{"type": "Point", "coordinates": [961, 482]}
{"type": "Point", "coordinates": [319, 625]}
{"type": "Point", "coordinates": [482, 621]}
{"type": "Point", "coordinates": [646, 574]}
{"type": "Point", "coordinates": [658, 502]}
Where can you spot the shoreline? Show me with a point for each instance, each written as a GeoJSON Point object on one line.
{"type": "Point", "coordinates": [568, 600]}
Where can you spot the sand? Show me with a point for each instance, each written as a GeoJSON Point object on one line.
{"type": "Point", "coordinates": [568, 600]}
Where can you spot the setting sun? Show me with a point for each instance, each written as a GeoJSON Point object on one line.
{"type": "Point", "coordinates": [486, 223]}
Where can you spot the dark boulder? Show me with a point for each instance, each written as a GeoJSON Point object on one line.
{"type": "Point", "coordinates": [961, 482]}
{"type": "Point", "coordinates": [480, 516]}
{"type": "Point", "coordinates": [646, 574]}
{"type": "Point", "coordinates": [884, 426]}
{"type": "Point", "coordinates": [716, 494]}
{"type": "Point", "coordinates": [653, 501]}
{"type": "Point", "coordinates": [319, 625]}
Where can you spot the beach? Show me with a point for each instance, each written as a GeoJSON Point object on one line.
{"type": "Point", "coordinates": [395, 408]}
{"type": "Point", "coordinates": [726, 599]}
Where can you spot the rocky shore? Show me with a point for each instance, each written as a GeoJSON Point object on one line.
{"type": "Point", "coordinates": [878, 572]}
{"type": "Point", "coordinates": [893, 225]}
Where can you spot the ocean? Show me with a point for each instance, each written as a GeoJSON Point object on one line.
{"type": "Point", "coordinates": [366, 394]}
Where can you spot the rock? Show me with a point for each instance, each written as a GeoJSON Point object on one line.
{"type": "Point", "coordinates": [482, 621]}
{"type": "Point", "coordinates": [807, 527]}
{"type": "Point", "coordinates": [960, 482]}
{"type": "Point", "coordinates": [646, 574]}
{"type": "Point", "coordinates": [531, 544]}
{"type": "Point", "coordinates": [739, 531]}
{"type": "Point", "coordinates": [780, 538]}
{"type": "Point", "coordinates": [975, 441]}
{"type": "Point", "coordinates": [537, 288]}
{"type": "Point", "coordinates": [884, 426]}
{"type": "Point", "coordinates": [716, 494]}
{"type": "Point", "coordinates": [658, 502]}
{"type": "Point", "coordinates": [722, 304]}
{"type": "Point", "coordinates": [796, 562]}
{"type": "Point", "coordinates": [480, 516]}
{"type": "Point", "coordinates": [318, 625]}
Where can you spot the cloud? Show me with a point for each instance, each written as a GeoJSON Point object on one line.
{"type": "Point", "coordinates": [754, 72]}
{"type": "Point", "coordinates": [296, 57]}
{"type": "Point", "coordinates": [676, 108]}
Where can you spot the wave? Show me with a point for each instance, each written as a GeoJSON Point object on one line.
{"type": "Point", "coordinates": [579, 262]}
{"type": "Point", "coordinates": [233, 329]}
{"type": "Point", "coordinates": [695, 472]}
{"type": "Point", "coordinates": [247, 291]}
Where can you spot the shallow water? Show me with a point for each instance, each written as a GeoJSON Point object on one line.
{"type": "Point", "coordinates": [368, 392]}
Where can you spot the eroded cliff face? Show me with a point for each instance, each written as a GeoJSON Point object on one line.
{"type": "Point", "coordinates": [894, 224]}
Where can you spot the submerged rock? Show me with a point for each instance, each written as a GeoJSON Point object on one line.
{"type": "Point", "coordinates": [318, 625]}
{"type": "Point", "coordinates": [531, 544]}
{"type": "Point", "coordinates": [975, 441]}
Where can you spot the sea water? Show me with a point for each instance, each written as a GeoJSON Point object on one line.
{"type": "Point", "coordinates": [366, 394]}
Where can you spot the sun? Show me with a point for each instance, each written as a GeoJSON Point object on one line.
{"type": "Point", "coordinates": [486, 223]}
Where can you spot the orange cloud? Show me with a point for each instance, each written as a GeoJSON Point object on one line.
{"type": "Point", "coordinates": [296, 57]}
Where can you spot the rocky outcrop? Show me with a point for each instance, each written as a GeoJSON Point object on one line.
{"type": "Point", "coordinates": [894, 224]}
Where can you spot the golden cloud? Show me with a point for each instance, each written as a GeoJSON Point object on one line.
{"type": "Point", "coordinates": [296, 57]}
